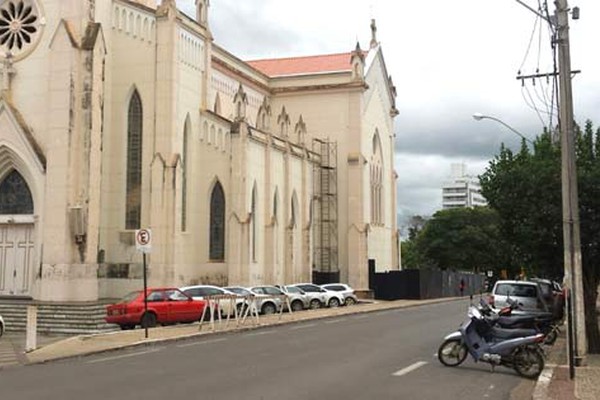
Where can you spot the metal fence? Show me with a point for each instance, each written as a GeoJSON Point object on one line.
{"type": "Point", "coordinates": [423, 284]}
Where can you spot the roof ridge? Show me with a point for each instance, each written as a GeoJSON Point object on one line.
{"type": "Point", "coordinates": [299, 57]}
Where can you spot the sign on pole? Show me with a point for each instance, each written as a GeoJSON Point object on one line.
{"type": "Point", "coordinates": [143, 240]}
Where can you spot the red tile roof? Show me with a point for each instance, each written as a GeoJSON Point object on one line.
{"type": "Point", "coordinates": [303, 65]}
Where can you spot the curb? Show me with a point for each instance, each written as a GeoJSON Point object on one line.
{"type": "Point", "coordinates": [158, 341]}
{"type": "Point", "coordinates": [540, 391]}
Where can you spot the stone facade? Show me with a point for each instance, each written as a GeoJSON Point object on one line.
{"type": "Point", "coordinates": [119, 115]}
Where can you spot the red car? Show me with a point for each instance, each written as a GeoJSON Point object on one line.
{"type": "Point", "coordinates": [165, 306]}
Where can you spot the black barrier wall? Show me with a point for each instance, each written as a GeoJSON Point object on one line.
{"type": "Point", "coordinates": [424, 284]}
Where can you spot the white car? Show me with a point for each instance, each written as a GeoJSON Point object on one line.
{"type": "Point", "coordinates": [265, 303]}
{"type": "Point", "coordinates": [326, 297]}
{"type": "Point", "coordinates": [270, 298]}
{"type": "Point", "coordinates": [200, 292]}
{"type": "Point", "coordinates": [1, 326]}
{"type": "Point", "coordinates": [299, 299]}
{"type": "Point", "coordinates": [348, 293]}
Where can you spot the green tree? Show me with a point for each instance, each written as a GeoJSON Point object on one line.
{"type": "Point", "coordinates": [462, 238]}
{"type": "Point", "coordinates": [525, 190]}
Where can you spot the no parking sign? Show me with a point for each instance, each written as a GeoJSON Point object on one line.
{"type": "Point", "coordinates": [143, 240]}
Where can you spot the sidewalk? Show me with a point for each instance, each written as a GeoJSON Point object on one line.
{"type": "Point", "coordinates": [555, 384]}
{"type": "Point", "coordinates": [98, 343]}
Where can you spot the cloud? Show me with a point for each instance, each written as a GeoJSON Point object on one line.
{"type": "Point", "coordinates": [447, 61]}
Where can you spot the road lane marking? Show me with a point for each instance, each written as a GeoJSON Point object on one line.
{"type": "Point", "coordinates": [202, 342]}
{"type": "Point", "coordinates": [410, 368]}
{"type": "Point", "coordinates": [293, 328]}
{"type": "Point", "coordinates": [139, 353]}
{"type": "Point", "coordinates": [360, 316]}
{"type": "Point", "coordinates": [334, 321]}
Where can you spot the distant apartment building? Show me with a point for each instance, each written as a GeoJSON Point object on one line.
{"type": "Point", "coordinates": [462, 189]}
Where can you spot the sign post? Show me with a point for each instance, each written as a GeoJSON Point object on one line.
{"type": "Point", "coordinates": [143, 243]}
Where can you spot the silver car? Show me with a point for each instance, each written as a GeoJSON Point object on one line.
{"type": "Point", "coordinates": [299, 300]}
{"type": "Point", "coordinates": [269, 299]}
{"type": "Point", "coordinates": [528, 295]}
{"type": "Point", "coordinates": [348, 293]}
{"type": "Point", "coordinates": [226, 307]}
{"type": "Point", "coordinates": [326, 297]}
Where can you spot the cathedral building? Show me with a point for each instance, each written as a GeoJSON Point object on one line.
{"type": "Point", "coordinates": [118, 115]}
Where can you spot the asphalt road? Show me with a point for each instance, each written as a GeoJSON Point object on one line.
{"type": "Point", "coordinates": [383, 355]}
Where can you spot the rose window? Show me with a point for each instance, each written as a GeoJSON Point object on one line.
{"type": "Point", "coordinates": [20, 25]}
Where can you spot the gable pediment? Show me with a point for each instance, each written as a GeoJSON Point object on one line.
{"type": "Point", "coordinates": [17, 137]}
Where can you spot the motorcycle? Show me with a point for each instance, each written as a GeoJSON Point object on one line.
{"type": "Point", "coordinates": [512, 348]}
{"type": "Point", "coordinates": [545, 323]}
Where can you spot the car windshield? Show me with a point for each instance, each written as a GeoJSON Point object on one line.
{"type": "Point", "coordinates": [293, 289]}
{"type": "Point", "coordinates": [129, 297]}
{"type": "Point", "coordinates": [273, 291]}
{"type": "Point", "coordinates": [517, 290]}
{"type": "Point", "coordinates": [239, 290]}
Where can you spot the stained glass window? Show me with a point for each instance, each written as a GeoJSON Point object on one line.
{"type": "Point", "coordinates": [133, 200]}
{"type": "Point", "coordinates": [15, 197]}
{"type": "Point", "coordinates": [217, 224]}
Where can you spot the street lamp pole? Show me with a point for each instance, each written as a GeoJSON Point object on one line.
{"type": "Point", "coordinates": [479, 117]}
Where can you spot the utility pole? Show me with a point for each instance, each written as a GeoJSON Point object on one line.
{"type": "Point", "coordinates": [570, 202]}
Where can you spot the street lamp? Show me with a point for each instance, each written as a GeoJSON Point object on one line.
{"type": "Point", "coordinates": [479, 117]}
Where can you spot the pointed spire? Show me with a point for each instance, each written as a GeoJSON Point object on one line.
{"type": "Point", "coordinates": [374, 42]}
{"type": "Point", "coordinates": [202, 11]}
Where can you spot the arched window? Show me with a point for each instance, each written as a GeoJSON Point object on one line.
{"type": "Point", "coordinates": [15, 197]}
{"type": "Point", "coordinates": [376, 183]}
{"type": "Point", "coordinates": [133, 191]}
{"type": "Point", "coordinates": [217, 224]}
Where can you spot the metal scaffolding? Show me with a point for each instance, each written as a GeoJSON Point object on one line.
{"type": "Point", "coordinates": [326, 211]}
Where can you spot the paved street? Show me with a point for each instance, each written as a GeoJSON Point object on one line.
{"type": "Point", "coordinates": [385, 355]}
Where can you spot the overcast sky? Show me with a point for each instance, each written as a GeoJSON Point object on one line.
{"type": "Point", "coordinates": [448, 60]}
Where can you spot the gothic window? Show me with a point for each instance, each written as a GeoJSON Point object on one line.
{"type": "Point", "coordinates": [15, 197]}
{"type": "Point", "coordinates": [376, 184]}
{"type": "Point", "coordinates": [133, 200]}
{"type": "Point", "coordinates": [217, 224]}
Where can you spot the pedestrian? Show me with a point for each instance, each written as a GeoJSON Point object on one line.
{"type": "Point", "coordinates": [461, 286]}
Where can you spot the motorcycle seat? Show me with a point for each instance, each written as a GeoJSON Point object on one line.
{"type": "Point", "coordinates": [501, 333]}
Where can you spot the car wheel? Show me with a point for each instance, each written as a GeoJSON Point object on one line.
{"type": "Point", "coordinates": [126, 327]}
{"type": "Point", "coordinates": [268, 308]}
{"type": "Point", "coordinates": [297, 305]}
{"type": "Point", "coordinates": [334, 302]}
{"type": "Point", "coordinates": [350, 301]}
{"type": "Point", "coordinates": [1, 330]}
{"type": "Point", "coordinates": [315, 304]}
{"type": "Point", "coordinates": [148, 320]}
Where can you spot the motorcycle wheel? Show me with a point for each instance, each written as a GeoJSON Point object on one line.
{"type": "Point", "coordinates": [528, 362]}
{"type": "Point", "coordinates": [452, 352]}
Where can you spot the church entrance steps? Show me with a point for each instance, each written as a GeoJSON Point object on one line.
{"type": "Point", "coordinates": [56, 318]}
